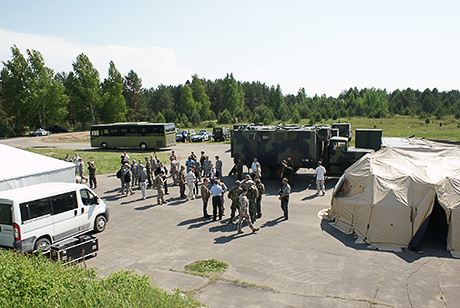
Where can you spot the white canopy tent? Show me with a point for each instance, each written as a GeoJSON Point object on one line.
{"type": "Point", "coordinates": [22, 168]}
{"type": "Point", "coordinates": [386, 196]}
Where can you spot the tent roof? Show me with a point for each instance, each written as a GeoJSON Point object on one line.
{"type": "Point", "coordinates": [19, 163]}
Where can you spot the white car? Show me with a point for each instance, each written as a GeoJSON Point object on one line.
{"type": "Point", "coordinates": [201, 136]}
{"type": "Point", "coordinates": [39, 132]}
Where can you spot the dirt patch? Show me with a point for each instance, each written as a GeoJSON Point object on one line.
{"type": "Point", "coordinates": [68, 137]}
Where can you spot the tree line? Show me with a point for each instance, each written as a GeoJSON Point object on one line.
{"type": "Point", "coordinates": [33, 95]}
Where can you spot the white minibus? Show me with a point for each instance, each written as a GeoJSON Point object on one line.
{"type": "Point", "coordinates": [36, 216]}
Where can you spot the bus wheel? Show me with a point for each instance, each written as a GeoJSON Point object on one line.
{"type": "Point", "coordinates": [143, 146]}
{"type": "Point", "coordinates": [104, 145]}
{"type": "Point", "coordinates": [43, 243]}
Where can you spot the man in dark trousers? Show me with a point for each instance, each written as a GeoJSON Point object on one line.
{"type": "Point", "coordinates": [284, 197]}
{"type": "Point", "coordinates": [216, 192]}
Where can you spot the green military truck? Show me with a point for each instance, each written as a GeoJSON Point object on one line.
{"type": "Point", "coordinates": [306, 144]}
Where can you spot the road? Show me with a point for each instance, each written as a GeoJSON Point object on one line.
{"type": "Point", "coordinates": [302, 262]}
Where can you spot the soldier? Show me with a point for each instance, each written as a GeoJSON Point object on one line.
{"type": "Point", "coordinates": [243, 203]}
{"type": "Point", "coordinates": [148, 167]}
{"type": "Point", "coordinates": [182, 182]}
{"type": "Point", "coordinates": [92, 174]}
{"type": "Point", "coordinates": [219, 165]}
{"type": "Point", "coordinates": [252, 195]}
{"type": "Point", "coordinates": [284, 193]}
{"type": "Point", "coordinates": [142, 178]}
{"type": "Point", "coordinates": [140, 168]}
{"type": "Point", "coordinates": [202, 159]}
{"type": "Point", "coordinates": [224, 189]}
{"type": "Point", "coordinates": [159, 183]}
{"type": "Point", "coordinates": [287, 170]}
{"type": "Point", "coordinates": [261, 190]}
{"type": "Point", "coordinates": [239, 169]}
{"type": "Point", "coordinates": [173, 156]}
{"type": "Point", "coordinates": [205, 195]}
{"type": "Point", "coordinates": [134, 170]}
{"type": "Point", "coordinates": [175, 171]}
{"type": "Point", "coordinates": [207, 167]}
{"type": "Point", "coordinates": [235, 161]}
{"type": "Point", "coordinates": [233, 195]}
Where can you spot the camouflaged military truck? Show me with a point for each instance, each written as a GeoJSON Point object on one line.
{"type": "Point", "coordinates": [305, 144]}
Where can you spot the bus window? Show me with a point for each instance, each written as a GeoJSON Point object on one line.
{"type": "Point", "coordinates": [123, 131]}
{"type": "Point", "coordinates": [132, 131]}
{"type": "Point", "coordinates": [113, 132]}
{"type": "Point", "coordinates": [95, 133]}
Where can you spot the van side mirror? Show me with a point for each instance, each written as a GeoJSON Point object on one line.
{"type": "Point", "coordinates": [98, 200]}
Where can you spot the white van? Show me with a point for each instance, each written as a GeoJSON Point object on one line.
{"type": "Point", "coordinates": [36, 216]}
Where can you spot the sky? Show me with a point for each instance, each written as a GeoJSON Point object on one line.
{"type": "Point", "coordinates": [323, 46]}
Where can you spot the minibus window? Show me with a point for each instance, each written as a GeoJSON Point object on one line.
{"type": "Point", "coordinates": [5, 214]}
{"type": "Point", "coordinates": [87, 197]}
{"type": "Point", "coordinates": [63, 203]}
{"type": "Point", "coordinates": [34, 209]}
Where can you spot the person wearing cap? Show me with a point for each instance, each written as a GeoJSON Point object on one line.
{"type": "Point", "coordinates": [205, 195]}
{"type": "Point", "coordinates": [142, 182]}
{"type": "Point", "coordinates": [320, 171]}
{"type": "Point", "coordinates": [216, 192]}
{"type": "Point", "coordinates": [159, 183]}
{"type": "Point", "coordinates": [92, 174]}
{"type": "Point", "coordinates": [233, 195]}
{"type": "Point", "coordinates": [252, 196]}
{"type": "Point", "coordinates": [243, 204]}
{"type": "Point", "coordinates": [219, 165]}
{"type": "Point", "coordinates": [284, 193]}
{"type": "Point", "coordinates": [207, 167]}
{"type": "Point", "coordinates": [261, 190]}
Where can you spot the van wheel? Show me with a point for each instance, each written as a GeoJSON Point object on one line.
{"type": "Point", "coordinates": [43, 243]}
{"type": "Point", "coordinates": [100, 223]}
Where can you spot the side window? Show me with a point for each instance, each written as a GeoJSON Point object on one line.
{"type": "Point", "coordinates": [87, 197]}
{"type": "Point", "coordinates": [34, 209]}
{"type": "Point", "coordinates": [63, 203]}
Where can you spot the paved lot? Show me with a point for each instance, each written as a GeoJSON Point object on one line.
{"type": "Point", "coordinates": [302, 262]}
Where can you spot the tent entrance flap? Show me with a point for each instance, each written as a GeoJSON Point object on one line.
{"type": "Point", "coordinates": [432, 234]}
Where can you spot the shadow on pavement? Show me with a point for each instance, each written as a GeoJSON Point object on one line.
{"type": "Point", "coordinates": [145, 207]}
{"type": "Point", "coordinates": [272, 223]}
{"type": "Point", "coordinates": [226, 239]}
{"type": "Point", "coordinates": [223, 227]}
{"type": "Point", "coordinates": [431, 247]}
{"type": "Point", "coordinates": [195, 222]}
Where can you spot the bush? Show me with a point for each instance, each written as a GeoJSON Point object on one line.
{"type": "Point", "coordinates": [427, 120]}
{"type": "Point", "coordinates": [225, 117]}
{"type": "Point", "coordinates": [30, 281]}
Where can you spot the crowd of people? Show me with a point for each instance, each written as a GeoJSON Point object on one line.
{"type": "Point", "coordinates": [245, 195]}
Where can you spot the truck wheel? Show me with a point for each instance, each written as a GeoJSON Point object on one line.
{"type": "Point", "coordinates": [266, 172]}
{"type": "Point", "coordinates": [100, 223]}
{"type": "Point", "coordinates": [43, 243]}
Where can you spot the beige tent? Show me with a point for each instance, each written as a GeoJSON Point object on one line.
{"type": "Point", "coordinates": [386, 196]}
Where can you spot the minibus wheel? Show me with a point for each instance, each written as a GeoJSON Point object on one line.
{"type": "Point", "coordinates": [43, 243]}
{"type": "Point", "coordinates": [100, 223]}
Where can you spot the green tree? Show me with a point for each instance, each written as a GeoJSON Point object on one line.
{"type": "Point", "coordinates": [84, 89]}
{"type": "Point", "coordinates": [275, 100]}
{"type": "Point", "coordinates": [113, 104]}
{"type": "Point", "coordinates": [233, 95]}
{"type": "Point", "coordinates": [225, 117]}
{"type": "Point", "coordinates": [32, 95]}
{"type": "Point", "coordinates": [200, 96]}
{"type": "Point", "coordinates": [135, 97]}
{"type": "Point", "coordinates": [189, 106]}
{"type": "Point", "coordinates": [263, 114]}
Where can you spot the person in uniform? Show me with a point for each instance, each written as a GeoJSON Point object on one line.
{"type": "Point", "coordinates": [142, 182]}
{"type": "Point", "coordinates": [284, 197]}
{"type": "Point", "coordinates": [92, 175]}
{"type": "Point", "coordinates": [182, 182]}
{"type": "Point", "coordinates": [207, 167]}
{"type": "Point", "coordinates": [233, 195]}
{"type": "Point", "coordinates": [261, 190]}
{"type": "Point", "coordinates": [287, 170]}
{"type": "Point", "coordinates": [148, 167]}
{"type": "Point", "coordinates": [128, 176]}
{"type": "Point", "coordinates": [243, 204]}
{"type": "Point", "coordinates": [239, 169]}
{"type": "Point", "coordinates": [134, 170]}
{"type": "Point", "coordinates": [175, 171]}
{"type": "Point", "coordinates": [205, 195]}
{"type": "Point", "coordinates": [202, 159]}
{"type": "Point", "coordinates": [159, 183]}
{"type": "Point", "coordinates": [219, 166]}
{"type": "Point", "coordinates": [252, 196]}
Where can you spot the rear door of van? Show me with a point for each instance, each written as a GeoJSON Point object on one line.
{"type": "Point", "coordinates": [6, 225]}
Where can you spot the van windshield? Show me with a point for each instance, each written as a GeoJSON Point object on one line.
{"type": "Point", "coordinates": [5, 214]}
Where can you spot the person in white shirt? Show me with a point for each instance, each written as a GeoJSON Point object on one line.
{"type": "Point", "coordinates": [216, 192]}
{"type": "Point", "coordinates": [320, 171]}
{"type": "Point", "coordinates": [254, 166]}
{"type": "Point", "coordinates": [191, 178]}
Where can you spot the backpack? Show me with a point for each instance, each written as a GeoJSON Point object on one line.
{"type": "Point", "coordinates": [127, 177]}
{"type": "Point", "coordinates": [118, 174]}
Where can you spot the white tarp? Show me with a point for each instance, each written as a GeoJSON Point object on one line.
{"type": "Point", "coordinates": [22, 168]}
{"type": "Point", "coordinates": [386, 196]}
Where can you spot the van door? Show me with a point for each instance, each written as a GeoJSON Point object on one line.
{"type": "Point", "coordinates": [66, 216]}
{"type": "Point", "coordinates": [6, 225]}
{"type": "Point", "coordinates": [89, 210]}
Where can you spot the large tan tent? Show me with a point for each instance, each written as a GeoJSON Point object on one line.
{"type": "Point", "coordinates": [386, 197]}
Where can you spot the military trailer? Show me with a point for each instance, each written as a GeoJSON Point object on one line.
{"type": "Point", "coordinates": [305, 144]}
{"type": "Point", "coordinates": [344, 130]}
